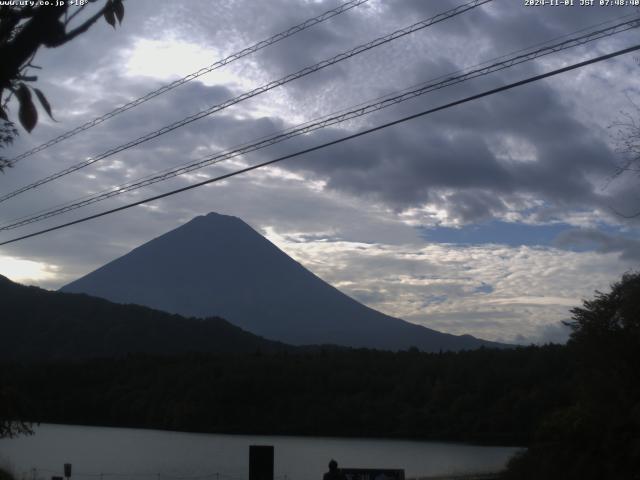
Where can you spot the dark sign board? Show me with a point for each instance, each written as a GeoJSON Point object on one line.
{"type": "Point", "coordinates": [372, 474]}
{"type": "Point", "coordinates": [260, 462]}
{"type": "Point", "coordinates": [67, 470]}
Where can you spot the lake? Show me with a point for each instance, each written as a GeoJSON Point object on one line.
{"type": "Point", "coordinates": [99, 453]}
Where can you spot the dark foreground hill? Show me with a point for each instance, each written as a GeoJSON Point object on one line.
{"type": "Point", "coordinates": [36, 324]}
{"type": "Point", "coordinates": [219, 265]}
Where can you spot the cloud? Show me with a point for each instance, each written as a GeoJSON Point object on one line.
{"type": "Point", "coordinates": [554, 333]}
{"type": "Point", "coordinates": [27, 272]}
{"type": "Point", "coordinates": [462, 161]}
{"type": "Point", "coordinates": [496, 232]}
{"type": "Point", "coordinates": [449, 161]}
{"type": "Point", "coordinates": [495, 292]}
{"type": "Point", "coordinates": [628, 248]}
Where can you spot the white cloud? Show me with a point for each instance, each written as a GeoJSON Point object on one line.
{"type": "Point", "coordinates": [444, 286]}
{"type": "Point", "coordinates": [27, 271]}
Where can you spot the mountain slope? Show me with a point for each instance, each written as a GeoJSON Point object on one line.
{"type": "Point", "coordinates": [40, 325]}
{"type": "Point", "coordinates": [218, 265]}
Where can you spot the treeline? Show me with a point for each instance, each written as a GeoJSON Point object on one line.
{"type": "Point", "coordinates": [483, 396]}
{"type": "Point", "coordinates": [37, 324]}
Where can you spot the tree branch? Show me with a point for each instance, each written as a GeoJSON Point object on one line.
{"type": "Point", "coordinates": [82, 28]}
{"type": "Point", "coordinates": [35, 33]}
{"type": "Point", "coordinates": [74, 14]}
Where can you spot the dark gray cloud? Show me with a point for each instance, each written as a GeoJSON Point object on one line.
{"type": "Point", "coordinates": [449, 159]}
{"type": "Point", "coordinates": [628, 248]}
{"type": "Point", "coordinates": [430, 162]}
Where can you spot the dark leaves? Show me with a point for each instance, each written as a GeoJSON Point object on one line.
{"type": "Point", "coordinates": [7, 134]}
{"type": "Point", "coordinates": [27, 113]}
{"type": "Point", "coordinates": [44, 102]}
{"type": "Point", "coordinates": [3, 114]}
{"type": "Point", "coordinates": [113, 9]}
{"type": "Point", "coordinates": [53, 34]}
{"type": "Point", "coordinates": [109, 14]}
{"type": "Point", "coordinates": [118, 9]}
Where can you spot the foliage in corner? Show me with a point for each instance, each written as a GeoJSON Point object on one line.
{"type": "Point", "coordinates": [598, 437]}
{"type": "Point", "coordinates": [6, 474]}
{"type": "Point", "coordinates": [12, 406]}
{"type": "Point", "coordinates": [7, 134]}
{"type": "Point", "coordinates": [24, 28]}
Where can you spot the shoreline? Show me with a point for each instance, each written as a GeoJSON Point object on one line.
{"type": "Point", "coordinates": [469, 443]}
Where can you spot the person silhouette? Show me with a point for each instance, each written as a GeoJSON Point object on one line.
{"type": "Point", "coordinates": [334, 473]}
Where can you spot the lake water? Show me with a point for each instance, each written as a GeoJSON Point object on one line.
{"type": "Point", "coordinates": [99, 453]}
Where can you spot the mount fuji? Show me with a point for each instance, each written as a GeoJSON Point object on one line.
{"type": "Point", "coordinates": [217, 265]}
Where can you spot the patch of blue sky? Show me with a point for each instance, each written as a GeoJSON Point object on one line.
{"type": "Point", "coordinates": [484, 288]}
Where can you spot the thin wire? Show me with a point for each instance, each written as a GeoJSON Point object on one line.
{"type": "Point", "coordinates": [325, 122]}
{"type": "Point", "coordinates": [214, 66]}
{"type": "Point", "coordinates": [257, 91]}
{"type": "Point", "coordinates": [334, 142]}
{"type": "Point", "coordinates": [108, 194]}
{"type": "Point", "coordinates": [346, 109]}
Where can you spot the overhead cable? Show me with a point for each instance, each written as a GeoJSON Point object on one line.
{"type": "Point", "coordinates": [331, 143]}
{"type": "Point", "coordinates": [176, 83]}
{"type": "Point", "coordinates": [257, 91]}
{"type": "Point", "coordinates": [360, 111]}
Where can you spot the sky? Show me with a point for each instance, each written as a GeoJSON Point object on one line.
{"type": "Point", "coordinates": [492, 218]}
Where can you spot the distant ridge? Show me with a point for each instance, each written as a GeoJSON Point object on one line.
{"type": "Point", "coordinates": [218, 265]}
{"type": "Point", "coordinates": [38, 325]}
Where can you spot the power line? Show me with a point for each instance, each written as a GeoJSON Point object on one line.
{"type": "Point", "coordinates": [334, 142]}
{"type": "Point", "coordinates": [361, 110]}
{"type": "Point", "coordinates": [214, 66]}
{"type": "Point", "coordinates": [257, 91]}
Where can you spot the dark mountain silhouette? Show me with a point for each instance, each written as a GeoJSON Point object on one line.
{"type": "Point", "coordinates": [38, 324]}
{"type": "Point", "coordinates": [218, 265]}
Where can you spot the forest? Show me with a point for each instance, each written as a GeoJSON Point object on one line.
{"type": "Point", "coordinates": [486, 396]}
